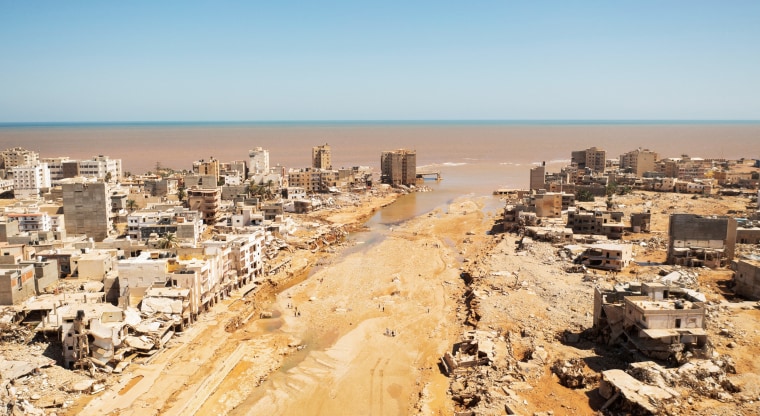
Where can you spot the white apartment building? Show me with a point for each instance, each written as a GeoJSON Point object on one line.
{"type": "Point", "coordinates": [259, 161]}
{"type": "Point", "coordinates": [185, 224]}
{"type": "Point", "coordinates": [6, 185]}
{"type": "Point", "coordinates": [97, 168]}
{"type": "Point", "coordinates": [32, 221]}
{"type": "Point", "coordinates": [28, 180]}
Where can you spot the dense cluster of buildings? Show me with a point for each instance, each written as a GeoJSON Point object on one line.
{"type": "Point", "coordinates": [664, 319]}
{"type": "Point", "coordinates": [590, 173]}
{"type": "Point", "coordinates": [547, 210]}
{"type": "Point", "coordinates": [151, 252]}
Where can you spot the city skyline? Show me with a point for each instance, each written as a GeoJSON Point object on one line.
{"type": "Point", "coordinates": [391, 61]}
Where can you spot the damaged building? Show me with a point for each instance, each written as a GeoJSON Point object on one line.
{"type": "Point", "coordinates": [697, 241]}
{"type": "Point", "coordinates": [641, 222]}
{"type": "Point", "coordinates": [661, 321]}
{"type": "Point", "coordinates": [612, 257]}
{"type": "Point", "coordinates": [606, 223]}
{"type": "Point", "coordinates": [476, 348]}
{"type": "Point", "coordinates": [747, 279]}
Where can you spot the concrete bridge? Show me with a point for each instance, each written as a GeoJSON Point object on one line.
{"type": "Point", "coordinates": [429, 174]}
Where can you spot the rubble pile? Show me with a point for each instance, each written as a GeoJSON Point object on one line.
{"type": "Point", "coordinates": [33, 384]}
{"type": "Point", "coordinates": [12, 333]}
{"type": "Point", "coordinates": [572, 373]}
{"type": "Point", "coordinates": [649, 388]}
{"type": "Point", "coordinates": [485, 376]}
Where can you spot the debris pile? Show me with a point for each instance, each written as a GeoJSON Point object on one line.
{"type": "Point", "coordinates": [649, 388]}
{"type": "Point", "coordinates": [572, 373]}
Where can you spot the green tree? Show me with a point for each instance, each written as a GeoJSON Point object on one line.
{"type": "Point", "coordinates": [612, 189]}
{"type": "Point", "coordinates": [181, 194]}
{"type": "Point", "coordinates": [584, 195]}
{"type": "Point", "coordinates": [168, 241]}
{"type": "Point", "coordinates": [131, 205]}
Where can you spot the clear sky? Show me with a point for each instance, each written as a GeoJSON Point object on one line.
{"type": "Point", "coordinates": [380, 60]}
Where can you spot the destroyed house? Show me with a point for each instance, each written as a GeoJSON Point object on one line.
{"type": "Point", "coordinates": [597, 223]}
{"type": "Point", "coordinates": [659, 320]}
{"type": "Point", "coordinates": [696, 240]}
{"type": "Point", "coordinates": [104, 322]}
{"type": "Point", "coordinates": [641, 222]}
{"type": "Point", "coordinates": [171, 302]}
{"type": "Point", "coordinates": [550, 234]}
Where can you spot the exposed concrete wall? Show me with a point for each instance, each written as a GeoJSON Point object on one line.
{"type": "Point", "coordinates": [748, 235]}
{"type": "Point", "coordinates": [747, 279]}
{"type": "Point", "coordinates": [690, 230]}
{"type": "Point", "coordinates": [86, 206]}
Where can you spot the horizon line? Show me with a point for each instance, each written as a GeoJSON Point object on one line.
{"type": "Point", "coordinates": [368, 121]}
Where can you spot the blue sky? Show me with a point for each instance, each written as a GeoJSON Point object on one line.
{"type": "Point", "coordinates": [407, 60]}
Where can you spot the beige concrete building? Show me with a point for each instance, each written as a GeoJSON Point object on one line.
{"type": "Point", "coordinates": [206, 201]}
{"type": "Point", "coordinates": [607, 223]}
{"type": "Point", "coordinates": [207, 167]}
{"type": "Point", "coordinates": [613, 257]}
{"type": "Point", "coordinates": [684, 168]}
{"type": "Point", "coordinates": [747, 279]}
{"type": "Point", "coordinates": [16, 283]}
{"type": "Point", "coordinates": [86, 206]}
{"type": "Point", "coordinates": [96, 265]}
{"type": "Point", "coordinates": [591, 158]}
{"type": "Point", "coordinates": [312, 179]}
{"type": "Point", "coordinates": [18, 156]}
{"type": "Point", "coordinates": [547, 204]}
{"type": "Point", "coordinates": [639, 161]}
{"type": "Point", "coordinates": [538, 177]}
{"type": "Point", "coordinates": [398, 167]}
{"type": "Point", "coordinates": [321, 157]}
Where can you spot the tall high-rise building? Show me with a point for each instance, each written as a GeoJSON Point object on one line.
{"type": "Point", "coordinates": [320, 157]}
{"type": "Point", "coordinates": [28, 180]}
{"type": "Point", "coordinates": [86, 207]}
{"type": "Point", "coordinates": [592, 158]}
{"type": "Point", "coordinates": [207, 167]}
{"type": "Point", "coordinates": [639, 161]}
{"type": "Point", "coordinates": [258, 161]}
{"type": "Point", "coordinates": [538, 177]}
{"type": "Point", "coordinates": [398, 167]}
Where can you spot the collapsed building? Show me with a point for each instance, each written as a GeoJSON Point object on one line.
{"type": "Point", "coordinates": [660, 321]}
{"type": "Point", "coordinates": [641, 222]}
{"type": "Point", "coordinates": [696, 240]}
{"type": "Point", "coordinates": [476, 348]}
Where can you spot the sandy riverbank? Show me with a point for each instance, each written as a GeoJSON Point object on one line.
{"type": "Point", "coordinates": [408, 283]}
{"type": "Point", "coordinates": [332, 354]}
